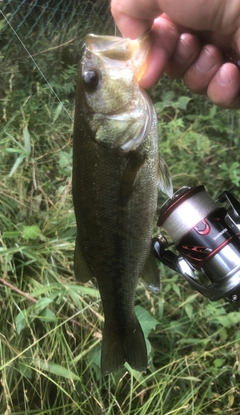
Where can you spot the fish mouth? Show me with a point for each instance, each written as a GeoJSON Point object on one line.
{"type": "Point", "coordinates": [134, 52]}
{"type": "Point", "coordinates": [119, 54]}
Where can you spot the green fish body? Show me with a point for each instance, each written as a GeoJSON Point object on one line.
{"type": "Point", "coordinates": [115, 187]}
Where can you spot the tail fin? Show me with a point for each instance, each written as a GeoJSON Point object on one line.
{"type": "Point", "coordinates": [120, 346]}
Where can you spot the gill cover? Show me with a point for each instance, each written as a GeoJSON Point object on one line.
{"type": "Point", "coordinates": [111, 70]}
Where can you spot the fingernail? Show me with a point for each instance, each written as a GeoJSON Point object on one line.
{"type": "Point", "coordinates": [183, 52]}
{"type": "Point", "coordinates": [223, 76]}
{"type": "Point", "coordinates": [205, 61]}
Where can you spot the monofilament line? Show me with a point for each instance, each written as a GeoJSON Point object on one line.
{"type": "Point", "coordinates": [35, 63]}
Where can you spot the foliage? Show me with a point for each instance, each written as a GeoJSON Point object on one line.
{"type": "Point", "coordinates": [199, 145]}
{"type": "Point", "coordinates": [50, 333]}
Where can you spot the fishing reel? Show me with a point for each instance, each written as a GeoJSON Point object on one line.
{"type": "Point", "coordinates": [207, 238]}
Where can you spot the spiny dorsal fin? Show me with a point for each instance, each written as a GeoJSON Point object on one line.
{"type": "Point", "coordinates": [164, 178]}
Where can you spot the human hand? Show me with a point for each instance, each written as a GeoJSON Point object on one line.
{"type": "Point", "coordinates": [188, 41]}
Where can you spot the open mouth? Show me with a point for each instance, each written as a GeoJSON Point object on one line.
{"type": "Point", "coordinates": [121, 50]}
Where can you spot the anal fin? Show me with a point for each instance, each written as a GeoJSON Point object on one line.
{"type": "Point", "coordinates": [81, 270]}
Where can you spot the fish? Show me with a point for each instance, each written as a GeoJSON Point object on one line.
{"type": "Point", "coordinates": [117, 172]}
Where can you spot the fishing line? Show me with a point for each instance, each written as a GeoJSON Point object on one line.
{"type": "Point", "coordinates": [35, 63]}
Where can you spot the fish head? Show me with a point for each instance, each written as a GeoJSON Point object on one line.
{"type": "Point", "coordinates": [117, 110]}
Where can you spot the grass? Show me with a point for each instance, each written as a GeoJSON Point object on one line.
{"type": "Point", "coordinates": [51, 326]}
{"type": "Point", "coordinates": [50, 350]}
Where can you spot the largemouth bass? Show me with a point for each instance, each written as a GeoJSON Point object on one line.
{"type": "Point", "coordinates": [116, 173]}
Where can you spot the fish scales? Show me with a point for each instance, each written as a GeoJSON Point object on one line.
{"type": "Point", "coordinates": [115, 198]}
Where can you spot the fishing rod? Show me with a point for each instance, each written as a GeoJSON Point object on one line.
{"type": "Point", "coordinates": [207, 239]}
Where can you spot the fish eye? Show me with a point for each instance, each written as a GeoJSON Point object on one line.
{"type": "Point", "coordinates": [91, 79]}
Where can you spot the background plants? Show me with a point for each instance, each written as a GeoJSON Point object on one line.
{"type": "Point", "coordinates": [50, 326]}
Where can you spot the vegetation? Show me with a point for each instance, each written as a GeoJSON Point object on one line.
{"type": "Point", "coordinates": [50, 331]}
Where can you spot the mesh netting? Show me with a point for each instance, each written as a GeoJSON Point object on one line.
{"type": "Point", "coordinates": [34, 22]}
{"type": "Point", "coordinates": [40, 46]}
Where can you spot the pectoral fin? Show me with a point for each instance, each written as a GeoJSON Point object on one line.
{"type": "Point", "coordinates": [164, 178]}
{"type": "Point", "coordinates": [130, 176]}
{"type": "Point", "coordinates": [81, 270]}
{"type": "Point", "coordinates": [150, 274]}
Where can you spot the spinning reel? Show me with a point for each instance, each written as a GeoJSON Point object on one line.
{"type": "Point", "coordinates": [207, 238]}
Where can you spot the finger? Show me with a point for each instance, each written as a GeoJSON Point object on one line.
{"type": "Point", "coordinates": [164, 38]}
{"type": "Point", "coordinates": [129, 17]}
{"type": "Point", "coordinates": [220, 16]}
{"type": "Point", "coordinates": [187, 50]}
{"type": "Point", "coordinates": [224, 88]}
{"type": "Point", "coordinates": [198, 76]}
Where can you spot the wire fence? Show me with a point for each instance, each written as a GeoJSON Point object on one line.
{"type": "Point", "coordinates": [40, 42]}
{"type": "Point", "coordinates": [29, 23]}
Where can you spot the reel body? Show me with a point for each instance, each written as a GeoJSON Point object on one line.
{"type": "Point", "coordinates": [207, 238]}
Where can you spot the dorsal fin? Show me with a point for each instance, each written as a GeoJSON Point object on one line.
{"type": "Point", "coordinates": [164, 178]}
{"type": "Point", "coordinates": [150, 274]}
